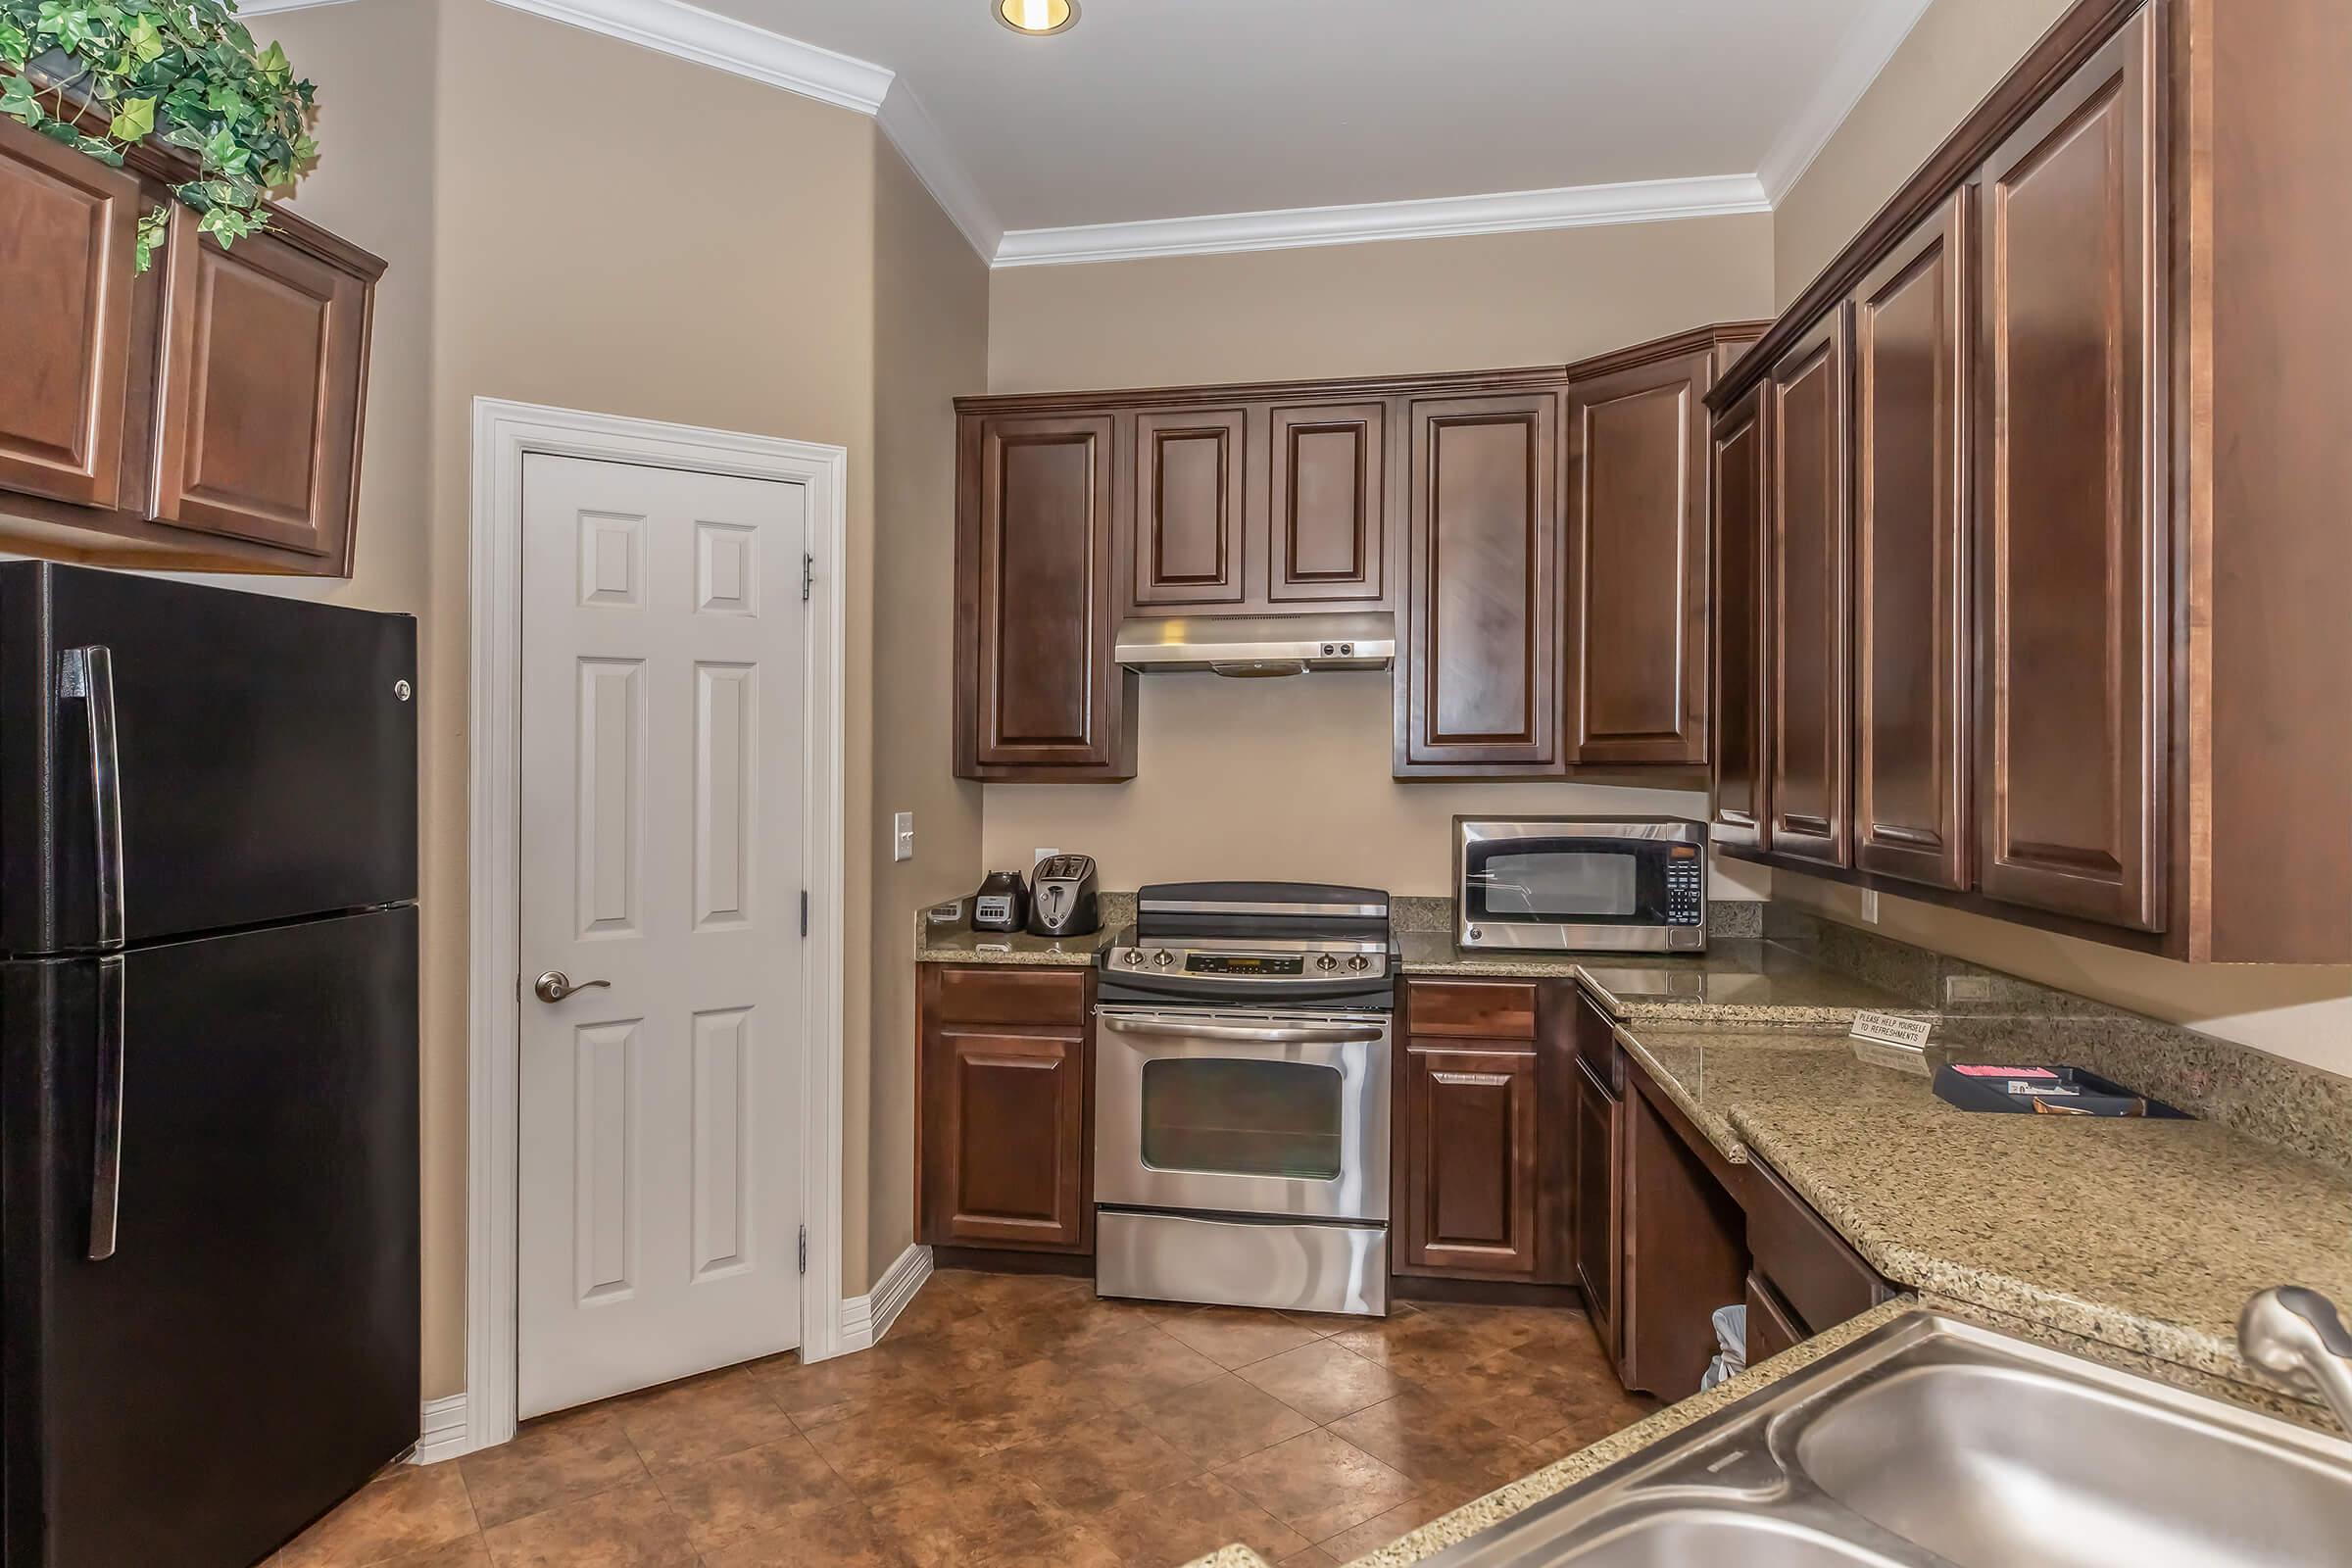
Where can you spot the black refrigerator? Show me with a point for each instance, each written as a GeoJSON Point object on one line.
{"type": "Point", "coordinates": [208, 1065]}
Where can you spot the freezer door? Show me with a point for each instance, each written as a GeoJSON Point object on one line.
{"type": "Point", "coordinates": [247, 1357]}
{"type": "Point", "coordinates": [259, 752]}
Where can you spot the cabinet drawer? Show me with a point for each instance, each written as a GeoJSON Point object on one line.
{"type": "Point", "coordinates": [1823, 1280]}
{"type": "Point", "coordinates": [1471, 1010]}
{"type": "Point", "coordinates": [986, 995]}
{"type": "Point", "coordinates": [1771, 1328]}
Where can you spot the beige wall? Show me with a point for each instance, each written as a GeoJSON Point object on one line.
{"type": "Point", "coordinates": [1278, 778]}
{"type": "Point", "coordinates": [1955, 54]}
{"type": "Point", "coordinates": [930, 343]}
{"type": "Point", "coordinates": [1291, 778]}
{"type": "Point", "coordinates": [1958, 52]}
{"type": "Point", "coordinates": [1350, 310]}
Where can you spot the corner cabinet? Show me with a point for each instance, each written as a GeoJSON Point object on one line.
{"type": "Point", "coordinates": [1808, 616]}
{"type": "Point", "coordinates": [206, 415]}
{"type": "Point", "coordinates": [1738, 789]}
{"type": "Point", "coordinates": [1639, 483]}
{"type": "Point", "coordinates": [1038, 693]}
{"type": "Point", "coordinates": [1004, 1131]}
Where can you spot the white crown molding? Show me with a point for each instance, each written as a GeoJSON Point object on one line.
{"type": "Point", "coordinates": [1503, 213]}
{"type": "Point", "coordinates": [1869, 43]}
{"type": "Point", "coordinates": [673, 27]}
{"type": "Point", "coordinates": [918, 140]}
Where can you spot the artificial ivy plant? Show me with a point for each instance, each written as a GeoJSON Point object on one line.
{"type": "Point", "coordinates": [184, 71]}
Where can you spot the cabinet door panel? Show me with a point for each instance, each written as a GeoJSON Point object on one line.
{"type": "Point", "coordinates": [1599, 1242]}
{"type": "Point", "coordinates": [66, 226]}
{"type": "Point", "coordinates": [1637, 565]}
{"type": "Point", "coordinates": [2073, 607]}
{"type": "Point", "coordinates": [261, 410]}
{"type": "Point", "coordinates": [1012, 1151]}
{"type": "Point", "coordinates": [1470, 1183]}
{"type": "Point", "coordinates": [1479, 688]}
{"type": "Point", "coordinates": [1738, 776]}
{"type": "Point", "coordinates": [1040, 687]}
{"type": "Point", "coordinates": [1911, 548]}
{"type": "Point", "coordinates": [1189, 471]}
{"type": "Point", "coordinates": [1810, 621]}
{"type": "Point", "coordinates": [1684, 1256]}
{"type": "Point", "coordinates": [1326, 536]}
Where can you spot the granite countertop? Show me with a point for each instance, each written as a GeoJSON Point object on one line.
{"type": "Point", "coordinates": [1557, 1477]}
{"type": "Point", "coordinates": [963, 945]}
{"type": "Point", "coordinates": [1740, 979]}
{"type": "Point", "coordinates": [2143, 1236]}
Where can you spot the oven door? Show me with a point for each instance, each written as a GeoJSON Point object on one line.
{"type": "Point", "coordinates": [1243, 1113]}
{"type": "Point", "coordinates": [1581, 892]}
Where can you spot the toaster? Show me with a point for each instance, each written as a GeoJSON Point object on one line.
{"type": "Point", "coordinates": [1062, 896]}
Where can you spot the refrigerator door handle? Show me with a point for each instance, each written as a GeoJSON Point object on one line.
{"type": "Point", "coordinates": [105, 1162]}
{"type": "Point", "coordinates": [88, 674]}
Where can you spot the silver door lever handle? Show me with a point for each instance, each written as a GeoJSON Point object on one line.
{"type": "Point", "coordinates": [553, 986]}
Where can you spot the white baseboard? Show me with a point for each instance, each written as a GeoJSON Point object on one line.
{"type": "Point", "coordinates": [443, 1432]}
{"type": "Point", "coordinates": [865, 1319]}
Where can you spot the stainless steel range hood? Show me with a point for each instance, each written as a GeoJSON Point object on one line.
{"type": "Point", "coordinates": [1259, 644]}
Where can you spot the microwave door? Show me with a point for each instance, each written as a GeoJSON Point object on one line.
{"type": "Point", "coordinates": [1560, 882]}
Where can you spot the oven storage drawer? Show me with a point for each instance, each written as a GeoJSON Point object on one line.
{"type": "Point", "coordinates": [1230, 1262]}
{"type": "Point", "coordinates": [1229, 1114]}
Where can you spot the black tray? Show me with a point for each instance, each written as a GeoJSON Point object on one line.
{"type": "Point", "coordinates": [2066, 1092]}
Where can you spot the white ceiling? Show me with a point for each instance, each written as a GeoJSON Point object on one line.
{"type": "Point", "coordinates": [1149, 127]}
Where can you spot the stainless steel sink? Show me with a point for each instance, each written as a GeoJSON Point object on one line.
{"type": "Point", "coordinates": [1933, 1443]}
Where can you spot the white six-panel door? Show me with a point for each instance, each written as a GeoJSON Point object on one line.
{"type": "Point", "coordinates": [659, 1201]}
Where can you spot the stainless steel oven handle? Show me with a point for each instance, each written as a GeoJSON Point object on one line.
{"type": "Point", "coordinates": [1255, 1034]}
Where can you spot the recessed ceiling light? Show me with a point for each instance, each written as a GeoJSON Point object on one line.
{"type": "Point", "coordinates": [1037, 17]}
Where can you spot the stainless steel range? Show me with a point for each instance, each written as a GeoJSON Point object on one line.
{"type": "Point", "coordinates": [1242, 1097]}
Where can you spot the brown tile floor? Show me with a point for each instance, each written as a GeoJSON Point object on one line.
{"type": "Point", "coordinates": [1011, 1421]}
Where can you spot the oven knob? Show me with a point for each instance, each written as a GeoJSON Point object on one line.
{"type": "Point", "coordinates": [1163, 957]}
{"type": "Point", "coordinates": [1134, 959]}
{"type": "Point", "coordinates": [1327, 964]}
{"type": "Point", "coordinates": [1359, 963]}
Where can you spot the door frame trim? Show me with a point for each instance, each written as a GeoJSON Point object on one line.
{"type": "Point", "coordinates": [505, 433]}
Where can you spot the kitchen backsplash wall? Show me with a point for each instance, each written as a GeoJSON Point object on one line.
{"type": "Point", "coordinates": [1287, 780]}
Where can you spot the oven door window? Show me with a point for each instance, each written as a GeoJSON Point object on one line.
{"type": "Point", "coordinates": [1565, 882]}
{"type": "Point", "coordinates": [1235, 1116]}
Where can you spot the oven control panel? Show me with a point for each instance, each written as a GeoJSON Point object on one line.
{"type": "Point", "coordinates": [1246, 967]}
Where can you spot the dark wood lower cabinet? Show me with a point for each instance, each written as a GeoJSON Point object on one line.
{"type": "Point", "coordinates": [1771, 1327]}
{"type": "Point", "coordinates": [1599, 1241]}
{"type": "Point", "coordinates": [1685, 1252]}
{"type": "Point", "coordinates": [1472, 1145]}
{"type": "Point", "coordinates": [1004, 1137]}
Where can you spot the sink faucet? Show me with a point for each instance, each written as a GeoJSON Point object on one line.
{"type": "Point", "coordinates": [2294, 1334]}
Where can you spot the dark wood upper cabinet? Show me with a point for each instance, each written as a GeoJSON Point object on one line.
{"type": "Point", "coordinates": [1810, 619]}
{"type": "Point", "coordinates": [1326, 537]}
{"type": "Point", "coordinates": [66, 225]}
{"type": "Point", "coordinates": [1911, 654]}
{"type": "Point", "coordinates": [1738, 779]}
{"type": "Point", "coordinates": [1188, 527]}
{"type": "Point", "coordinates": [1038, 695]}
{"type": "Point", "coordinates": [1478, 658]}
{"type": "Point", "coordinates": [262, 393]}
{"type": "Point", "coordinates": [1004, 1152]}
{"type": "Point", "coordinates": [2074, 625]}
{"type": "Point", "coordinates": [1636, 565]}
{"type": "Point", "coordinates": [1470, 1161]}
{"type": "Point", "coordinates": [207, 415]}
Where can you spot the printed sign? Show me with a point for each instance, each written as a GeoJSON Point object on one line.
{"type": "Point", "coordinates": [1889, 1030]}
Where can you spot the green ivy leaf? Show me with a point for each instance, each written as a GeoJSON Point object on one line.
{"type": "Point", "coordinates": [145, 40]}
{"type": "Point", "coordinates": [18, 102]}
{"type": "Point", "coordinates": [135, 120]}
{"type": "Point", "coordinates": [16, 45]}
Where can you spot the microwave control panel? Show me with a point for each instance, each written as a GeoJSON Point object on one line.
{"type": "Point", "coordinates": [1686, 886]}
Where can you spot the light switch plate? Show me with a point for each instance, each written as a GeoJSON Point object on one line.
{"type": "Point", "coordinates": [902, 836]}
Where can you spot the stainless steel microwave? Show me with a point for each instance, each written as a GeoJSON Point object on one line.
{"type": "Point", "coordinates": [1581, 884]}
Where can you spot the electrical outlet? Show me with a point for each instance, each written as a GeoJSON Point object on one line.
{"type": "Point", "coordinates": [902, 836]}
{"type": "Point", "coordinates": [1038, 858]}
{"type": "Point", "coordinates": [1870, 907]}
